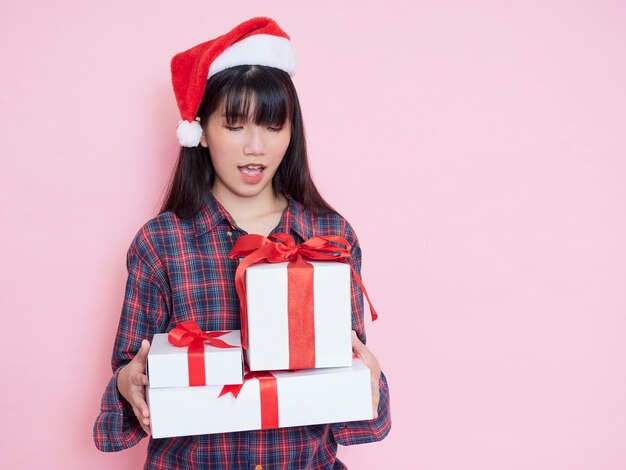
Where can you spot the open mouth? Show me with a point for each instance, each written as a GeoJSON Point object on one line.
{"type": "Point", "coordinates": [251, 170]}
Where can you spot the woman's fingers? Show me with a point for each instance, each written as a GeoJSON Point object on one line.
{"type": "Point", "coordinates": [366, 355]}
{"type": "Point", "coordinates": [372, 363]}
{"type": "Point", "coordinates": [139, 402]}
{"type": "Point", "coordinates": [144, 422]}
{"type": "Point", "coordinates": [375, 397]}
{"type": "Point", "coordinates": [140, 408]}
{"type": "Point", "coordinates": [139, 379]}
{"type": "Point", "coordinates": [146, 428]}
{"type": "Point", "coordinates": [140, 417]}
{"type": "Point", "coordinates": [357, 345]}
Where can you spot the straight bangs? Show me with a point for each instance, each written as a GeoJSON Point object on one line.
{"type": "Point", "coordinates": [259, 98]}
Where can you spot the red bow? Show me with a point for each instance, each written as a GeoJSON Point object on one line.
{"type": "Point", "coordinates": [188, 333]}
{"type": "Point", "coordinates": [282, 247]}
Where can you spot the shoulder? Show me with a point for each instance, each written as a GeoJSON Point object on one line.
{"type": "Point", "coordinates": [160, 235]}
{"type": "Point", "coordinates": [332, 223]}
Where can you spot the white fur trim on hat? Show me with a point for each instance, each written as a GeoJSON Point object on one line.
{"type": "Point", "coordinates": [189, 133]}
{"type": "Point", "coordinates": [259, 49]}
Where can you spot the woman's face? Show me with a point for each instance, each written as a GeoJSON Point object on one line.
{"type": "Point", "coordinates": [245, 156]}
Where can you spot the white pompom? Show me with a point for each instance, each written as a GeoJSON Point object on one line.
{"type": "Point", "coordinates": [189, 133]}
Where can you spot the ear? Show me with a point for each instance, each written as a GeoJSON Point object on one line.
{"type": "Point", "coordinates": [203, 141]}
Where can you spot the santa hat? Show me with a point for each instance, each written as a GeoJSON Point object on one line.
{"type": "Point", "coordinates": [258, 41]}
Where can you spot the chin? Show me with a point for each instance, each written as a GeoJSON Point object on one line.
{"type": "Point", "coordinates": [253, 190]}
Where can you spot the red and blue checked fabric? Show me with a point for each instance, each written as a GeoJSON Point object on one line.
{"type": "Point", "coordinates": [180, 270]}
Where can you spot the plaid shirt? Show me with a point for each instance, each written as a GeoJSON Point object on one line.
{"type": "Point", "coordinates": [180, 270]}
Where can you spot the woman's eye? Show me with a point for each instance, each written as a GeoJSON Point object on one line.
{"type": "Point", "coordinates": [275, 129]}
{"type": "Point", "coordinates": [233, 128]}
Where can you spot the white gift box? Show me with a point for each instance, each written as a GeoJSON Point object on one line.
{"type": "Point", "coordinates": [168, 364]}
{"type": "Point", "coordinates": [305, 397]}
{"type": "Point", "coordinates": [268, 320]}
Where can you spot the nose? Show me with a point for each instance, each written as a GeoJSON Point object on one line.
{"type": "Point", "coordinates": [255, 141]}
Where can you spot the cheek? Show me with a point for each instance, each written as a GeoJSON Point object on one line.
{"type": "Point", "coordinates": [220, 148]}
{"type": "Point", "coordinates": [219, 157]}
{"type": "Point", "coordinates": [283, 144]}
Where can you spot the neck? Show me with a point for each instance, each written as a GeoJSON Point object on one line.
{"type": "Point", "coordinates": [245, 208]}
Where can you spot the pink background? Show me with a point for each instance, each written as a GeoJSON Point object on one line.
{"type": "Point", "coordinates": [477, 147]}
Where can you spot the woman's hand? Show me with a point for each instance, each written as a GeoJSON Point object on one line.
{"type": "Point", "coordinates": [370, 361]}
{"type": "Point", "coordinates": [131, 381]}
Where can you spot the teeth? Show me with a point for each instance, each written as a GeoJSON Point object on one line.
{"type": "Point", "coordinates": [252, 170]}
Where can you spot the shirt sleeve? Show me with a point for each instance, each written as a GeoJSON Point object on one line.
{"type": "Point", "coordinates": [145, 306]}
{"type": "Point", "coordinates": [361, 432]}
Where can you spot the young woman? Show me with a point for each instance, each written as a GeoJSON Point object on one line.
{"type": "Point", "coordinates": [242, 169]}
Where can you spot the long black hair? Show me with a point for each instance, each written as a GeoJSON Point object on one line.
{"type": "Point", "coordinates": [273, 97]}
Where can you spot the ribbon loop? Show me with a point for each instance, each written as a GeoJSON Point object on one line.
{"type": "Point", "coordinates": [188, 334]}
{"type": "Point", "coordinates": [184, 333]}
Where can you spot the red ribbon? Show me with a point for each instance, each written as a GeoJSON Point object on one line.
{"type": "Point", "coordinates": [188, 333]}
{"type": "Point", "coordinates": [268, 388]}
{"type": "Point", "coordinates": [279, 248]}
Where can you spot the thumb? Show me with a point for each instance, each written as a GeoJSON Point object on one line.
{"type": "Point", "coordinates": [142, 354]}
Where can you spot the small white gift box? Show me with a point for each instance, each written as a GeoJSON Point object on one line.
{"type": "Point", "coordinates": [173, 366]}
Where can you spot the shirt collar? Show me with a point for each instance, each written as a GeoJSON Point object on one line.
{"type": "Point", "coordinates": [295, 218]}
{"type": "Point", "coordinates": [210, 215]}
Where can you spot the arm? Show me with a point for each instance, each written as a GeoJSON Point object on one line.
{"type": "Point", "coordinates": [145, 308]}
{"type": "Point", "coordinates": [359, 432]}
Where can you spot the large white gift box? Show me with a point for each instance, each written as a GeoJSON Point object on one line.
{"type": "Point", "coordinates": [268, 322]}
{"type": "Point", "coordinates": [279, 399]}
{"type": "Point", "coordinates": [170, 366]}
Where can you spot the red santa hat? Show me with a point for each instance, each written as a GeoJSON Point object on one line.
{"type": "Point", "coordinates": [258, 41]}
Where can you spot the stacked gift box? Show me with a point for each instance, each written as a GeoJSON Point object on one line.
{"type": "Point", "coordinates": [290, 365]}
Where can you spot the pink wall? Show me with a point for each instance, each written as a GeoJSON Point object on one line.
{"type": "Point", "coordinates": [488, 137]}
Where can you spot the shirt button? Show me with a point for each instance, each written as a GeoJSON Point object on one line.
{"type": "Point", "coordinates": [229, 233]}
{"type": "Point", "coordinates": [258, 467]}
